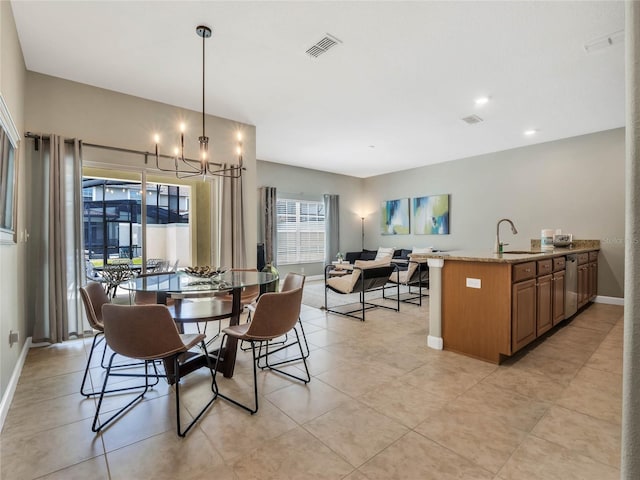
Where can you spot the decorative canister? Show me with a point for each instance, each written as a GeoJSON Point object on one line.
{"type": "Point", "coordinates": [546, 239]}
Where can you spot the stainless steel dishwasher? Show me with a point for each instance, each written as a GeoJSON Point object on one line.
{"type": "Point", "coordinates": [571, 286]}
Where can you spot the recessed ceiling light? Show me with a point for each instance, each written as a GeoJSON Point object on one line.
{"type": "Point", "coordinates": [530, 132]}
{"type": "Point", "coordinates": [480, 101]}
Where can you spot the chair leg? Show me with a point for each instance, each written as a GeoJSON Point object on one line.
{"type": "Point", "coordinates": [95, 427]}
{"type": "Point", "coordinates": [304, 337]}
{"type": "Point", "coordinates": [305, 351]}
{"type": "Point", "coordinates": [176, 367]}
{"type": "Point", "coordinates": [99, 337]}
{"type": "Point", "coordinates": [271, 366]}
{"type": "Point", "coordinates": [255, 378]}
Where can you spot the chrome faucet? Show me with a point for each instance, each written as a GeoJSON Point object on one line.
{"type": "Point", "coordinates": [498, 246]}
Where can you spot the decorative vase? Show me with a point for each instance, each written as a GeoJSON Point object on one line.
{"type": "Point", "coordinates": [273, 286]}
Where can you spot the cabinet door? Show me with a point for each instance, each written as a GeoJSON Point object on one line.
{"type": "Point", "coordinates": [544, 304]}
{"type": "Point", "coordinates": [558, 297]}
{"type": "Point", "coordinates": [523, 313]}
{"type": "Point", "coordinates": [583, 285]}
{"type": "Point", "coordinates": [593, 280]}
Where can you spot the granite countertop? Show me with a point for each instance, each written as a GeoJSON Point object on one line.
{"type": "Point", "coordinates": [580, 246]}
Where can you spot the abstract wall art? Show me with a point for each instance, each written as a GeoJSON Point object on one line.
{"type": "Point", "coordinates": [431, 215]}
{"type": "Point", "coordinates": [394, 217]}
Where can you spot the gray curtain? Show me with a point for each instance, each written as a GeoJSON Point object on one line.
{"type": "Point", "coordinates": [231, 215]}
{"type": "Point", "coordinates": [268, 224]}
{"type": "Point", "coordinates": [56, 257]}
{"type": "Point", "coordinates": [332, 227]}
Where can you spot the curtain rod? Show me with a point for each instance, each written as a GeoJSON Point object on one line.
{"type": "Point", "coordinates": [38, 137]}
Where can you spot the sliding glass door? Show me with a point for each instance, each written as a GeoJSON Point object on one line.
{"type": "Point", "coordinates": [125, 223]}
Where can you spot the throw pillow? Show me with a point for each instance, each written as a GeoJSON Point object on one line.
{"type": "Point", "coordinates": [384, 252]}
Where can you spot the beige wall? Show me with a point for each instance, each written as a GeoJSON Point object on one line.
{"type": "Point", "coordinates": [169, 242]}
{"type": "Point", "coordinates": [12, 257]}
{"type": "Point", "coordinates": [576, 184]}
{"type": "Point", "coordinates": [296, 182]}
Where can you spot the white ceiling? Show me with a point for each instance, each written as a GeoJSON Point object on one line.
{"type": "Point", "coordinates": [389, 98]}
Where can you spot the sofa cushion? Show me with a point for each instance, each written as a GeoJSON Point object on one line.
{"type": "Point", "coordinates": [405, 275]}
{"type": "Point", "coordinates": [344, 283]}
{"type": "Point", "coordinates": [422, 249]}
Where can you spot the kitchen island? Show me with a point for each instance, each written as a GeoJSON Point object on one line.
{"type": "Point", "coordinates": [489, 306]}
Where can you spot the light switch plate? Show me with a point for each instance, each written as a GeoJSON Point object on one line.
{"type": "Point", "coordinates": [474, 283]}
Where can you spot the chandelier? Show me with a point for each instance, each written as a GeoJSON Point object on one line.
{"type": "Point", "coordinates": [186, 167]}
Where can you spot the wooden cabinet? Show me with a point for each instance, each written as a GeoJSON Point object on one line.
{"type": "Point", "coordinates": [523, 312]}
{"type": "Point", "coordinates": [583, 279]}
{"type": "Point", "coordinates": [544, 304]}
{"type": "Point", "coordinates": [544, 296]}
{"type": "Point", "coordinates": [523, 305]}
{"type": "Point", "coordinates": [592, 289]}
{"type": "Point", "coordinates": [491, 309]}
{"type": "Point", "coordinates": [558, 297]}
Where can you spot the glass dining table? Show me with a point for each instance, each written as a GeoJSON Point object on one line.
{"type": "Point", "coordinates": [181, 286]}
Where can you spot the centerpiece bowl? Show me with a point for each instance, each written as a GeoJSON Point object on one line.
{"type": "Point", "coordinates": [204, 272]}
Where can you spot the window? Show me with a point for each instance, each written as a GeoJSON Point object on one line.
{"type": "Point", "coordinates": [300, 231]}
{"type": "Point", "coordinates": [113, 222]}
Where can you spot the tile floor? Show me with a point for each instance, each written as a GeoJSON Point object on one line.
{"type": "Point", "coordinates": [381, 405]}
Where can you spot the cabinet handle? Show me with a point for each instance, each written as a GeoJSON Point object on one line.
{"type": "Point", "coordinates": [527, 270]}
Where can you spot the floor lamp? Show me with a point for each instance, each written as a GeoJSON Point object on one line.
{"type": "Point", "coordinates": [362, 218]}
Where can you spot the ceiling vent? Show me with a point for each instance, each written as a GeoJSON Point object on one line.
{"type": "Point", "coordinates": [323, 45]}
{"type": "Point", "coordinates": [605, 41]}
{"type": "Point", "coordinates": [472, 119]}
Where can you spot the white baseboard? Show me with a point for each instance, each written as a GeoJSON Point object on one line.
{"type": "Point", "coordinates": [7, 398]}
{"type": "Point", "coordinates": [435, 342]}
{"type": "Point", "coordinates": [609, 300]}
{"type": "Point", "coordinates": [315, 277]}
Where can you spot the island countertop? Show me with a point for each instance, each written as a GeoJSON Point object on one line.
{"type": "Point", "coordinates": [582, 246]}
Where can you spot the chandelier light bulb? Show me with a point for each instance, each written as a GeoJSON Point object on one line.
{"type": "Point", "coordinates": [184, 167]}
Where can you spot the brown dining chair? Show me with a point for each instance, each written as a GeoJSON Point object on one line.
{"type": "Point", "coordinates": [291, 281]}
{"type": "Point", "coordinates": [148, 333]}
{"type": "Point", "coordinates": [94, 297]}
{"type": "Point", "coordinates": [150, 298]}
{"type": "Point", "coordinates": [248, 295]}
{"type": "Point", "coordinates": [275, 315]}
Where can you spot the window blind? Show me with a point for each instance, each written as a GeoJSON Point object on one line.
{"type": "Point", "coordinates": [301, 231]}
